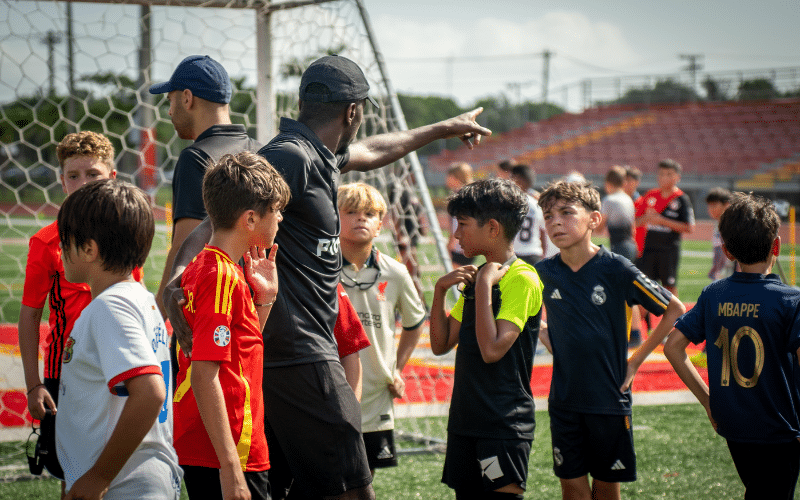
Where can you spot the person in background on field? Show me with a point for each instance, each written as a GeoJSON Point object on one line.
{"type": "Point", "coordinates": [619, 219]}
{"type": "Point", "coordinates": [633, 176]}
{"type": "Point", "coordinates": [717, 200]}
{"type": "Point", "coordinates": [495, 325]}
{"type": "Point", "coordinates": [409, 221]}
{"type": "Point", "coordinates": [379, 287]}
{"type": "Point", "coordinates": [114, 425]}
{"type": "Point", "coordinates": [83, 157]}
{"type": "Point", "coordinates": [531, 241]}
{"type": "Point", "coordinates": [458, 175]}
{"type": "Point", "coordinates": [750, 322]}
{"type": "Point", "coordinates": [588, 293]}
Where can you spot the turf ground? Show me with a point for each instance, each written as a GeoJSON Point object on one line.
{"type": "Point", "coordinates": [679, 457]}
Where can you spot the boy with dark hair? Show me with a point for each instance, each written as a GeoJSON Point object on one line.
{"type": "Point", "coordinates": [379, 288]}
{"type": "Point", "coordinates": [751, 324]}
{"type": "Point", "coordinates": [495, 324]}
{"type": "Point", "coordinates": [114, 425]}
{"type": "Point", "coordinates": [219, 430]}
{"type": "Point", "coordinates": [717, 201]}
{"type": "Point", "coordinates": [588, 294]}
{"type": "Point", "coordinates": [666, 212]}
{"type": "Point", "coordinates": [530, 244]}
{"type": "Point", "coordinates": [83, 157]}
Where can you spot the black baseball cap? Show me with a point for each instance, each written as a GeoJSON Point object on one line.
{"type": "Point", "coordinates": [343, 78]}
{"type": "Point", "coordinates": [205, 77]}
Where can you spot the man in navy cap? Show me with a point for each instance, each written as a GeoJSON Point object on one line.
{"type": "Point", "coordinates": [313, 420]}
{"type": "Point", "coordinates": [199, 92]}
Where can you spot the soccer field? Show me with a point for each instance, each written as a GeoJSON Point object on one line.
{"type": "Point", "coordinates": [679, 457]}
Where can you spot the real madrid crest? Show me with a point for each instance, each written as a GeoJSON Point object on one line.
{"type": "Point", "coordinates": [599, 295]}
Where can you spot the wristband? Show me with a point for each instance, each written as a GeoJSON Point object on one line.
{"type": "Point", "coordinates": [264, 305]}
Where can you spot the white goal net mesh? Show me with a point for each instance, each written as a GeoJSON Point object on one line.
{"type": "Point", "coordinates": [87, 66]}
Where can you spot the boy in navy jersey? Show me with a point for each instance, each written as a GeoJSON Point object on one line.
{"type": "Point", "coordinates": [751, 322]}
{"type": "Point", "coordinates": [588, 294]}
{"type": "Point", "coordinates": [495, 324]}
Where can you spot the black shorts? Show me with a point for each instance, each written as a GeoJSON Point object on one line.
{"type": "Point", "coordinates": [600, 445]}
{"type": "Point", "coordinates": [478, 464]}
{"type": "Point", "coordinates": [203, 483]}
{"type": "Point", "coordinates": [313, 428]}
{"type": "Point", "coordinates": [380, 449]}
{"type": "Point", "coordinates": [767, 470]}
{"type": "Point", "coordinates": [661, 265]}
{"type": "Point", "coordinates": [461, 259]}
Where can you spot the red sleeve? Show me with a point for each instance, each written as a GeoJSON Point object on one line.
{"type": "Point", "coordinates": [349, 332]}
{"type": "Point", "coordinates": [133, 372]}
{"type": "Point", "coordinates": [39, 271]}
{"type": "Point", "coordinates": [210, 318]}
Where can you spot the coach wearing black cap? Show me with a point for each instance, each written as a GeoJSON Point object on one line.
{"type": "Point", "coordinates": [199, 92]}
{"type": "Point", "coordinates": [313, 420]}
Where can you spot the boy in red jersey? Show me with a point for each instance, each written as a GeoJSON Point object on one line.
{"type": "Point", "coordinates": [83, 157]}
{"type": "Point", "coordinates": [219, 407]}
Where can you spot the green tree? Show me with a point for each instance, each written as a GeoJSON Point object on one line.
{"type": "Point", "coordinates": [664, 91]}
{"type": "Point", "coordinates": [757, 89]}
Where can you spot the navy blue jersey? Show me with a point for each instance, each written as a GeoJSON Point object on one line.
{"type": "Point", "coordinates": [588, 317]}
{"type": "Point", "coordinates": [300, 325]}
{"type": "Point", "coordinates": [751, 323]}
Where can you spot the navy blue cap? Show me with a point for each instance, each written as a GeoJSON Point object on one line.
{"type": "Point", "coordinates": [205, 77]}
{"type": "Point", "coordinates": [343, 78]}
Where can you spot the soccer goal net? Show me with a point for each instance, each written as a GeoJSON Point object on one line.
{"type": "Point", "coordinates": [71, 66]}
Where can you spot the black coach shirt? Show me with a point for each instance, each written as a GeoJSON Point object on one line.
{"type": "Point", "coordinates": [187, 183]}
{"type": "Point", "coordinates": [299, 329]}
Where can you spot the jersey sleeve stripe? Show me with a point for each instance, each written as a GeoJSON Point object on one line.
{"type": "Point", "coordinates": [654, 296]}
{"type": "Point", "coordinates": [218, 291]}
{"type": "Point", "coordinates": [133, 372]}
{"type": "Point", "coordinates": [246, 438]}
{"type": "Point", "coordinates": [233, 279]}
{"type": "Point", "coordinates": [186, 384]}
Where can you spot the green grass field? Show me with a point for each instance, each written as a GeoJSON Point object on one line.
{"type": "Point", "coordinates": [679, 457]}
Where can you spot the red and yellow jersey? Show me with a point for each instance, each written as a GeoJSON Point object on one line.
{"type": "Point", "coordinates": [45, 282]}
{"type": "Point", "coordinates": [225, 329]}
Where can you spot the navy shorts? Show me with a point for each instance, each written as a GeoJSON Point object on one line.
{"type": "Point", "coordinates": [767, 470]}
{"type": "Point", "coordinates": [380, 449]}
{"type": "Point", "coordinates": [661, 265]}
{"type": "Point", "coordinates": [478, 464]}
{"type": "Point", "coordinates": [313, 428]}
{"type": "Point", "coordinates": [600, 445]}
{"type": "Point", "coordinates": [204, 483]}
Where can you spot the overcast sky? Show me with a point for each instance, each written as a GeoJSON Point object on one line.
{"type": "Point", "coordinates": [587, 37]}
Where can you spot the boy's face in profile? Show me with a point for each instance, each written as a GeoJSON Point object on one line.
{"type": "Point", "coordinates": [568, 223]}
{"type": "Point", "coordinates": [715, 209]}
{"type": "Point", "coordinates": [78, 170]}
{"type": "Point", "coordinates": [74, 267]}
{"type": "Point", "coordinates": [267, 227]}
{"type": "Point", "coordinates": [359, 226]}
{"type": "Point", "coordinates": [667, 178]}
{"type": "Point", "coordinates": [470, 235]}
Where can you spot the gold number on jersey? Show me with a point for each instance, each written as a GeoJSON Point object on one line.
{"type": "Point", "coordinates": [730, 356]}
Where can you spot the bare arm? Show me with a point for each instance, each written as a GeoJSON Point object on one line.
{"type": "Point", "coordinates": [211, 404]}
{"type": "Point", "coordinates": [675, 309]}
{"type": "Point", "coordinates": [180, 230]}
{"type": "Point", "coordinates": [352, 371]}
{"type": "Point", "coordinates": [495, 337]}
{"type": "Point", "coordinates": [443, 327]}
{"type": "Point", "coordinates": [146, 394]}
{"type": "Point", "coordinates": [405, 348]}
{"type": "Point", "coordinates": [675, 351]}
{"type": "Point", "coordinates": [380, 150]}
{"type": "Point", "coordinates": [173, 293]}
{"type": "Point", "coordinates": [544, 336]}
{"type": "Point", "coordinates": [262, 275]}
{"type": "Point", "coordinates": [38, 397]}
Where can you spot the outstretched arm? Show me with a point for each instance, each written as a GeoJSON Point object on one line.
{"type": "Point", "coordinates": [380, 150]}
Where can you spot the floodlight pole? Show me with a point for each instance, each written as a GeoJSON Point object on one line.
{"type": "Point", "coordinates": [266, 106]}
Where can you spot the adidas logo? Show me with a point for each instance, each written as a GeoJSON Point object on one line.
{"type": "Point", "coordinates": [556, 294]}
{"type": "Point", "coordinates": [385, 454]}
{"type": "Point", "coordinates": [617, 466]}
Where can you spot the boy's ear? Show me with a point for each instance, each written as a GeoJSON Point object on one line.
{"type": "Point", "coordinates": [495, 229]}
{"type": "Point", "coordinates": [727, 253]}
{"type": "Point", "coordinates": [594, 219]}
{"type": "Point", "coordinates": [248, 219]}
{"type": "Point", "coordinates": [89, 251]}
{"type": "Point", "coordinates": [776, 246]}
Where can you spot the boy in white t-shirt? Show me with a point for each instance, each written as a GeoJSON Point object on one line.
{"type": "Point", "coordinates": [114, 423]}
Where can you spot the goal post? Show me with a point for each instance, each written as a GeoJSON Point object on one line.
{"type": "Point", "coordinates": [67, 66]}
